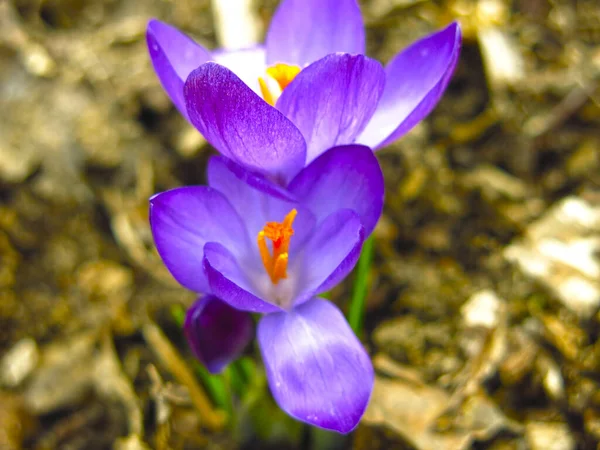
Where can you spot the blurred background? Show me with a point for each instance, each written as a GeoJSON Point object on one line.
{"type": "Point", "coordinates": [483, 294]}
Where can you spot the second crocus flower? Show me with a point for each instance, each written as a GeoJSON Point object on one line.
{"type": "Point", "coordinates": [310, 82]}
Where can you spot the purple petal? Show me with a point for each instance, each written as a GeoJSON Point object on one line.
{"type": "Point", "coordinates": [183, 220]}
{"type": "Point", "coordinates": [317, 369]}
{"type": "Point", "coordinates": [231, 283]}
{"type": "Point", "coordinates": [241, 125]}
{"type": "Point", "coordinates": [216, 332]}
{"type": "Point", "coordinates": [415, 80]}
{"type": "Point", "coordinates": [174, 55]}
{"type": "Point", "coordinates": [343, 177]}
{"type": "Point", "coordinates": [248, 64]}
{"type": "Point", "coordinates": [330, 254]}
{"type": "Point", "coordinates": [303, 31]}
{"type": "Point", "coordinates": [333, 99]}
{"type": "Point", "coordinates": [258, 200]}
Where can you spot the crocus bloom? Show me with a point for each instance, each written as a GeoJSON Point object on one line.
{"type": "Point", "coordinates": [310, 84]}
{"type": "Point", "coordinates": [254, 246]}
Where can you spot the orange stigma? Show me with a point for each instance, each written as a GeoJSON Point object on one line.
{"type": "Point", "coordinates": [276, 80]}
{"type": "Point", "coordinates": [280, 235]}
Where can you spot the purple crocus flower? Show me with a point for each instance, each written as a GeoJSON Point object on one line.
{"type": "Point", "coordinates": [253, 246]}
{"type": "Point", "coordinates": [310, 84]}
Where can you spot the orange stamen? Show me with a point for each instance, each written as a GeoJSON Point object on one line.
{"type": "Point", "coordinates": [279, 234]}
{"type": "Point", "coordinates": [280, 267]}
{"type": "Point", "coordinates": [283, 75]}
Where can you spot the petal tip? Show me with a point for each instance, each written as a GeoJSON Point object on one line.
{"type": "Point", "coordinates": [342, 424]}
{"type": "Point", "coordinates": [318, 370]}
{"type": "Point", "coordinates": [153, 22]}
{"type": "Point", "coordinates": [456, 31]}
{"type": "Point", "coordinates": [155, 28]}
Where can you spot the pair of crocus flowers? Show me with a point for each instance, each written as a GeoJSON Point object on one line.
{"type": "Point", "coordinates": [294, 194]}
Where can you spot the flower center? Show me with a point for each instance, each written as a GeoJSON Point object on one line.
{"type": "Point", "coordinates": [276, 80]}
{"type": "Point", "coordinates": [280, 234]}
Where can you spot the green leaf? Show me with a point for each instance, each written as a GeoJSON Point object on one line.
{"type": "Point", "coordinates": [217, 387]}
{"type": "Point", "coordinates": [178, 314]}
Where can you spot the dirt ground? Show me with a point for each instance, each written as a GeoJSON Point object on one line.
{"type": "Point", "coordinates": [482, 315]}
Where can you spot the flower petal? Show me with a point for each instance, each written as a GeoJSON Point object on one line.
{"type": "Point", "coordinates": [347, 176]}
{"type": "Point", "coordinates": [303, 31]}
{"type": "Point", "coordinates": [416, 78]}
{"type": "Point", "coordinates": [183, 220]}
{"type": "Point", "coordinates": [258, 200]}
{"type": "Point", "coordinates": [230, 283]}
{"type": "Point", "coordinates": [332, 100]}
{"type": "Point", "coordinates": [216, 332]}
{"type": "Point", "coordinates": [174, 55]}
{"type": "Point", "coordinates": [241, 125]}
{"type": "Point", "coordinates": [248, 64]}
{"type": "Point", "coordinates": [329, 255]}
{"type": "Point", "coordinates": [317, 369]}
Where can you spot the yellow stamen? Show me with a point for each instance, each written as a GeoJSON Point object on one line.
{"type": "Point", "coordinates": [266, 93]}
{"type": "Point", "coordinates": [282, 75]}
{"type": "Point", "coordinates": [279, 233]}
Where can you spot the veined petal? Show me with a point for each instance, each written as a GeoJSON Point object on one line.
{"type": "Point", "coordinates": [247, 63]}
{"type": "Point", "coordinates": [258, 200]}
{"type": "Point", "coordinates": [416, 78]}
{"type": "Point", "coordinates": [317, 369]}
{"type": "Point", "coordinates": [230, 282]}
{"type": "Point", "coordinates": [347, 176]}
{"type": "Point", "coordinates": [329, 255]}
{"type": "Point", "coordinates": [183, 220]}
{"type": "Point", "coordinates": [241, 125]}
{"type": "Point", "coordinates": [303, 31]}
{"type": "Point", "coordinates": [332, 100]}
{"type": "Point", "coordinates": [216, 332]}
{"type": "Point", "coordinates": [174, 55]}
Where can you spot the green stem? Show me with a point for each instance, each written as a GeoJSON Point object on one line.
{"type": "Point", "coordinates": [356, 311]}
